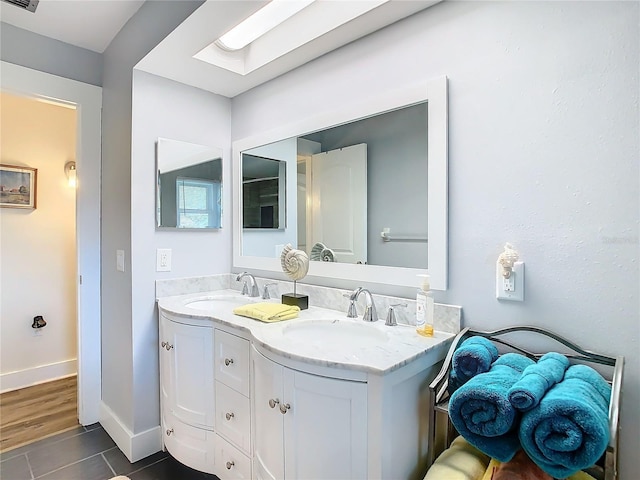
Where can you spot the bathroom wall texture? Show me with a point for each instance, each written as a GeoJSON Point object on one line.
{"type": "Point", "coordinates": [38, 263]}
{"type": "Point", "coordinates": [543, 153]}
{"type": "Point", "coordinates": [45, 54]}
{"type": "Point", "coordinates": [167, 109]}
{"type": "Point", "coordinates": [126, 367]}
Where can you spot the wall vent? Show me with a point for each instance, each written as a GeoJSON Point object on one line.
{"type": "Point", "coordinates": [29, 5]}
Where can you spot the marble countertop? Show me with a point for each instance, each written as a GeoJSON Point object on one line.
{"type": "Point", "coordinates": [351, 344]}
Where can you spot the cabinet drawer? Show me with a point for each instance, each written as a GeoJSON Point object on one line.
{"type": "Point", "coordinates": [195, 447]}
{"type": "Point", "coordinates": [233, 419]}
{"type": "Point", "coordinates": [232, 361]}
{"type": "Point", "coordinates": [231, 462]}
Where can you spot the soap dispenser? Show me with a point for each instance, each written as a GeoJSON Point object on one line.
{"type": "Point", "coordinates": [424, 307]}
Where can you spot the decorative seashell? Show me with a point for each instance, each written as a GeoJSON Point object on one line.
{"type": "Point", "coordinates": [327, 255]}
{"type": "Point", "coordinates": [316, 252]}
{"type": "Point", "coordinates": [295, 263]}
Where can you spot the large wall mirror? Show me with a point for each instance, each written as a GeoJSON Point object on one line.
{"type": "Point", "coordinates": [189, 185]}
{"type": "Point", "coordinates": [365, 190]}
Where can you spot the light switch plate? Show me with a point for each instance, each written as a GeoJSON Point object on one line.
{"type": "Point", "coordinates": [120, 260]}
{"type": "Point", "coordinates": [163, 260]}
{"type": "Point", "coordinates": [511, 289]}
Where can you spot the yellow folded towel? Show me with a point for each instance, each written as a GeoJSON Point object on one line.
{"type": "Point", "coordinates": [494, 465]}
{"type": "Point", "coordinates": [461, 461]}
{"type": "Point", "coordinates": [268, 312]}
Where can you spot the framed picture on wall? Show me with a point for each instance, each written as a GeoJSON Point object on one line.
{"type": "Point", "coordinates": [17, 186]}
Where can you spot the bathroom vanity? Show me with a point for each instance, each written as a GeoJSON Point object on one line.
{"type": "Point", "coordinates": [320, 396]}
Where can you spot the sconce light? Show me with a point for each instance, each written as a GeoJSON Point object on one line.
{"type": "Point", "coordinates": [70, 172]}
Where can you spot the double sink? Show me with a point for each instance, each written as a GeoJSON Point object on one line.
{"type": "Point", "coordinates": [336, 331]}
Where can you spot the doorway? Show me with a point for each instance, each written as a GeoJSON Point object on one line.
{"type": "Point", "coordinates": [87, 100]}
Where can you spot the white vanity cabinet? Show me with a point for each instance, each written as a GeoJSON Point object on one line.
{"type": "Point", "coordinates": [204, 382]}
{"type": "Point", "coordinates": [187, 395]}
{"type": "Point", "coordinates": [246, 400]}
{"type": "Point", "coordinates": [307, 426]}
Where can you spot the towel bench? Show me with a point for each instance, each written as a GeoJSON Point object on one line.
{"type": "Point", "coordinates": [442, 432]}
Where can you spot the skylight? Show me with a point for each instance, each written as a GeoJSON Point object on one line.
{"type": "Point", "coordinates": [256, 25]}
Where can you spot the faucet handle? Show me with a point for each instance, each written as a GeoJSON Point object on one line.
{"type": "Point", "coordinates": [265, 290]}
{"type": "Point", "coordinates": [352, 312]}
{"type": "Point", "coordinates": [245, 288]}
{"type": "Point", "coordinates": [391, 316]}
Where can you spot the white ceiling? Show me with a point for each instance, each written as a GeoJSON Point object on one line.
{"type": "Point", "coordinates": [92, 24]}
{"type": "Point", "coordinates": [89, 24]}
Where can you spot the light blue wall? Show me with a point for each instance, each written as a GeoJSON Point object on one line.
{"type": "Point", "coordinates": [543, 153]}
{"type": "Point", "coordinates": [167, 109]}
{"type": "Point", "coordinates": [48, 55]}
{"type": "Point", "coordinates": [126, 367]}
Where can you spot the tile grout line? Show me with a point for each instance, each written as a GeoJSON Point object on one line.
{"type": "Point", "coordinates": [147, 466]}
{"type": "Point", "coordinates": [69, 464]}
{"type": "Point", "coordinates": [29, 465]}
{"type": "Point", "coordinates": [107, 462]}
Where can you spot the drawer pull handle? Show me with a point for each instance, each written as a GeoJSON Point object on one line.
{"type": "Point", "coordinates": [169, 432]}
{"type": "Point", "coordinates": [229, 416]}
{"type": "Point", "coordinates": [273, 402]}
{"type": "Point", "coordinates": [284, 407]}
{"type": "Point", "coordinates": [229, 465]}
{"type": "Point", "coordinates": [167, 345]}
{"type": "Point", "coordinates": [228, 361]}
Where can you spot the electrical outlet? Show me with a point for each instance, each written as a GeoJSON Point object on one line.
{"type": "Point", "coordinates": [511, 288]}
{"type": "Point", "coordinates": [163, 260]}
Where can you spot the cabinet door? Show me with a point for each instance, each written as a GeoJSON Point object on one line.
{"type": "Point", "coordinates": [268, 460]}
{"type": "Point", "coordinates": [325, 428]}
{"type": "Point", "coordinates": [190, 351]}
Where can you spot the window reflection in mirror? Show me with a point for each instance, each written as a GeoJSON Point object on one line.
{"type": "Point", "coordinates": [263, 192]}
{"type": "Point", "coordinates": [189, 189]}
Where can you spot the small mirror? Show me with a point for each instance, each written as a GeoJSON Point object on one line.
{"type": "Point", "coordinates": [263, 192]}
{"type": "Point", "coordinates": [189, 185]}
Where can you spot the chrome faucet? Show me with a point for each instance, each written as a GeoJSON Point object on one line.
{"type": "Point", "coordinates": [255, 291]}
{"type": "Point", "coordinates": [370, 314]}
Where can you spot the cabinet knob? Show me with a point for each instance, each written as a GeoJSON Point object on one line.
{"type": "Point", "coordinates": [284, 407]}
{"type": "Point", "coordinates": [169, 432]}
{"type": "Point", "coordinates": [273, 402]}
{"type": "Point", "coordinates": [167, 345]}
{"type": "Point", "coordinates": [229, 415]}
{"type": "Point", "coordinates": [228, 361]}
{"type": "Point", "coordinates": [229, 465]}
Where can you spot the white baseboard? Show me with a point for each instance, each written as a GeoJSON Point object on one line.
{"type": "Point", "coordinates": [41, 374]}
{"type": "Point", "coordinates": [135, 447]}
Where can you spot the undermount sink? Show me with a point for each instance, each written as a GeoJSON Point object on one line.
{"type": "Point", "coordinates": [335, 332]}
{"type": "Point", "coordinates": [216, 300]}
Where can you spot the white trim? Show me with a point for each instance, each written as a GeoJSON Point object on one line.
{"type": "Point", "coordinates": [135, 447]}
{"type": "Point", "coordinates": [41, 374]}
{"type": "Point", "coordinates": [87, 99]}
{"type": "Point", "coordinates": [436, 94]}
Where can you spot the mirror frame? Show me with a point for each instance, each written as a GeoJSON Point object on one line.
{"type": "Point", "coordinates": [435, 92]}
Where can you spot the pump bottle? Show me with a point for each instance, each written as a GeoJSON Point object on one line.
{"type": "Point", "coordinates": [424, 307]}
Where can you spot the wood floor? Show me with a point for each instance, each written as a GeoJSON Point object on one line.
{"type": "Point", "coordinates": [32, 413]}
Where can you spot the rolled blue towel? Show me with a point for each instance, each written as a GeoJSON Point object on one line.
{"type": "Point", "coordinates": [475, 355]}
{"type": "Point", "coordinates": [481, 412]}
{"type": "Point", "coordinates": [537, 379]}
{"type": "Point", "coordinates": [569, 429]}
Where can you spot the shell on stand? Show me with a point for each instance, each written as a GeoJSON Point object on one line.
{"type": "Point", "coordinates": [295, 263]}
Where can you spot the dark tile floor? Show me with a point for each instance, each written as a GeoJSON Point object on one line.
{"type": "Point", "coordinates": [88, 453]}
